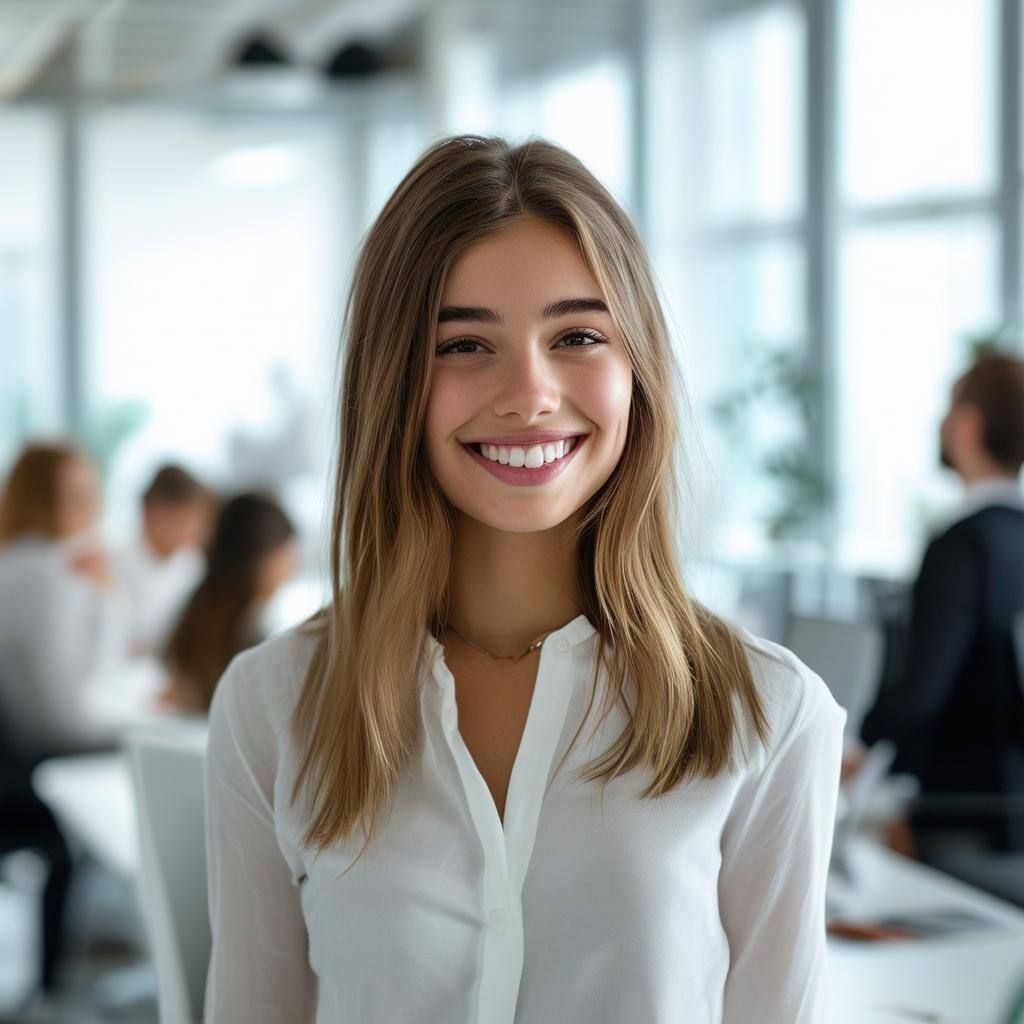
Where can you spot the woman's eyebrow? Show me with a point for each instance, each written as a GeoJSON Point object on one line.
{"type": "Point", "coordinates": [568, 306]}
{"type": "Point", "coordinates": [469, 314]}
{"type": "Point", "coordinates": [479, 314]}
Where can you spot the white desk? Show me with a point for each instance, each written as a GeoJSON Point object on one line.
{"type": "Point", "coordinates": [91, 796]}
{"type": "Point", "coordinates": [964, 979]}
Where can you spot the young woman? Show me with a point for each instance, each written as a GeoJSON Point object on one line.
{"type": "Point", "coordinates": [252, 552]}
{"type": "Point", "coordinates": [60, 621]}
{"type": "Point", "coordinates": [497, 778]}
{"type": "Point", "coordinates": [62, 618]}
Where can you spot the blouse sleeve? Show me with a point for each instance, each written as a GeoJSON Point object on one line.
{"type": "Point", "coordinates": [259, 971]}
{"type": "Point", "coordinates": [776, 847]}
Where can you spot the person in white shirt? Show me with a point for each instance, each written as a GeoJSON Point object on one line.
{"type": "Point", "coordinates": [62, 618]}
{"type": "Point", "coordinates": [513, 772]}
{"type": "Point", "coordinates": [164, 565]}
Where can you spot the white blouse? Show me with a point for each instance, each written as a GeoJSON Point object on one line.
{"type": "Point", "coordinates": [706, 905]}
{"type": "Point", "coordinates": [58, 632]}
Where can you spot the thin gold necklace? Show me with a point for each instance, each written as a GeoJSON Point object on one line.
{"type": "Point", "coordinates": [500, 657]}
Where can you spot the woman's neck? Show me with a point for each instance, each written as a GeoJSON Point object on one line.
{"type": "Point", "coordinates": [507, 589]}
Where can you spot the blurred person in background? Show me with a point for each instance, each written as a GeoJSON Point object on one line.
{"type": "Point", "coordinates": [956, 708]}
{"type": "Point", "coordinates": [165, 563]}
{"type": "Point", "coordinates": [60, 619]}
{"type": "Point", "coordinates": [252, 552]}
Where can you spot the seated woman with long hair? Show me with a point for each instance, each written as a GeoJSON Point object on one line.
{"type": "Point", "coordinates": [62, 617]}
{"type": "Point", "coordinates": [61, 621]}
{"type": "Point", "coordinates": [514, 771]}
{"type": "Point", "coordinates": [251, 553]}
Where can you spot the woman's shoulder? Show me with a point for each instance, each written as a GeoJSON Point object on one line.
{"type": "Point", "coordinates": [793, 696]}
{"type": "Point", "coordinates": [34, 569]}
{"type": "Point", "coordinates": [264, 681]}
{"type": "Point", "coordinates": [30, 551]}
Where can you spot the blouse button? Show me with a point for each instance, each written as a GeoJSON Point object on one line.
{"type": "Point", "coordinates": [497, 918]}
{"type": "Point", "coordinates": [562, 645]}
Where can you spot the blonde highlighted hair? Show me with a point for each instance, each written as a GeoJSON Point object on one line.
{"type": "Point", "coordinates": [392, 534]}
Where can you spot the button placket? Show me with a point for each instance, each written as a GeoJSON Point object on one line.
{"type": "Point", "coordinates": [507, 849]}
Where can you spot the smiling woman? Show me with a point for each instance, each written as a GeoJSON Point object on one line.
{"type": "Point", "coordinates": [503, 568]}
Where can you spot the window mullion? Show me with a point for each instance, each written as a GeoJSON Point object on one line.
{"type": "Point", "coordinates": [1009, 99]}
{"type": "Point", "coordinates": [822, 243]}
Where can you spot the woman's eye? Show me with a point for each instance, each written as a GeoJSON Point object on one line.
{"type": "Point", "coordinates": [592, 336]}
{"type": "Point", "coordinates": [448, 349]}
{"type": "Point", "coordinates": [591, 339]}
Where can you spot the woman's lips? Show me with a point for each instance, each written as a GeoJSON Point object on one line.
{"type": "Point", "coordinates": [522, 476]}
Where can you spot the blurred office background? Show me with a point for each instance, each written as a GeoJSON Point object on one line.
{"type": "Point", "coordinates": [830, 191]}
{"type": "Point", "coordinates": [185, 186]}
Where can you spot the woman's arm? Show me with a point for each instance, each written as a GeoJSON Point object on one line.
{"type": "Point", "coordinates": [259, 971]}
{"type": "Point", "coordinates": [776, 847]}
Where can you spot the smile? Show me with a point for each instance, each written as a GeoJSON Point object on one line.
{"type": "Point", "coordinates": [527, 466]}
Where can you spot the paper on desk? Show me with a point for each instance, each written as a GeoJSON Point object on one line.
{"type": "Point", "coordinates": [919, 924]}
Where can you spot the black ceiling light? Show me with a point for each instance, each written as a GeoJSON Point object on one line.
{"type": "Point", "coordinates": [261, 72]}
{"type": "Point", "coordinates": [260, 51]}
{"type": "Point", "coordinates": [354, 60]}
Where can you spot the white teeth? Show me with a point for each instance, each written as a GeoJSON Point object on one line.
{"type": "Point", "coordinates": [532, 457]}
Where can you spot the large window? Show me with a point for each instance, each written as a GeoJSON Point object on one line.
{"type": "Point", "coordinates": [912, 295]}
{"type": "Point", "coordinates": [740, 287]}
{"type": "Point", "coordinates": [918, 268]}
{"type": "Point", "coordinates": [213, 251]}
{"type": "Point", "coordinates": [917, 111]}
{"type": "Point", "coordinates": [865, 132]}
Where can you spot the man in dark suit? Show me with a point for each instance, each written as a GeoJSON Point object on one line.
{"type": "Point", "coordinates": [955, 710]}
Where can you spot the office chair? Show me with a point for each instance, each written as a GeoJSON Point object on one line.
{"type": "Point", "coordinates": [167, 771]}
{"type": "Point", "coordinates": [847, 656]}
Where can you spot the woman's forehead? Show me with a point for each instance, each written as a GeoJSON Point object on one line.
{"type": "Point", "coordinates": [530, 260]}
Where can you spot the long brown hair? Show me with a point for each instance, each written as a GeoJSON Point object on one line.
{"type": "Point", "coordinates": [392, 533]}
{"type": "Point", "coordinates": [30, 500]}
{"type": "Point", "coordinates": [215, 623]}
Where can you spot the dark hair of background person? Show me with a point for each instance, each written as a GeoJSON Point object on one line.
{"type": "Point", "coordinates": [995, 385]}
{"type": "Point", "coordinates": [174, 485]}
{"type": "Point", "coordinates": [215, 623]}
{"type": "Point", "coordinates": [30, 497]}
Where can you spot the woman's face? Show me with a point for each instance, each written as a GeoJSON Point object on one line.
{"type": "Point", "coordinates": [77, 497]}
{"type": "Point", "coordinates": [276, 568]}
{"type": "Point", "coordinates": [508, 361]}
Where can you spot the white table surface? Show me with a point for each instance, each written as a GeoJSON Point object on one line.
{"type": "Point", "coordinates": [92, 794]}
{"type": "Point", "coordinates": [93, 799]}
{"type": "Point", "coordinates": [964, 979]}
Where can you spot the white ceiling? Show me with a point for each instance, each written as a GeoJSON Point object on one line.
{"type": "Point", "coordinates": [128, 46]}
